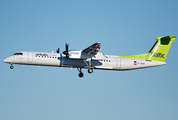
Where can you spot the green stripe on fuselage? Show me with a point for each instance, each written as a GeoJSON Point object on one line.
{"type": "Point", "coordinates": [138, 56]}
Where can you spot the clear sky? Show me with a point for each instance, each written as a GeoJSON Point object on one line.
{"type": "Point", "coordinates": [124, 27]}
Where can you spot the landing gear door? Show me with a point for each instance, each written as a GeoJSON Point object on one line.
{"type": "Point", "coordinates": [118, 62]}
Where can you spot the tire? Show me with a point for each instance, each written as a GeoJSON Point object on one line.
{"type": "Point", "coordinates": [90, 70]}
{"type": "Point", "coordinates": [80, 75]}
{"type": "Point", "coordinates": [11, 67]}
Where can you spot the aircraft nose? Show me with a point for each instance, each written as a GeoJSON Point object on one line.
{"type": "Point", "coordinates": [7, 60]}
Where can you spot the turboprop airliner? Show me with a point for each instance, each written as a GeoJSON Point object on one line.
{"type": "Point", "coordinates": [90, 58]}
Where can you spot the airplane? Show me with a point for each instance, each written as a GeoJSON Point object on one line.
{"type": "Point", "coordinates": [90, 58]}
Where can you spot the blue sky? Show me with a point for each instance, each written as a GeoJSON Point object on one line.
{"type": "Point", "coordinates": [123, 27]}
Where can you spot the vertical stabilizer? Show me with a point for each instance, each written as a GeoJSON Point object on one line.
{"type": "Point", "coordinates": [160, 49]}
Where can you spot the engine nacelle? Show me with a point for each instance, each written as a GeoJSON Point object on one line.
{"type": "Point", "coordinates": [79, 54]}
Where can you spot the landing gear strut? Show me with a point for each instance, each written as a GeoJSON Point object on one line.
{"type": "Point", "coordinates": [80, 74]}
{"type": "Point", "coordinates": [11, 67]}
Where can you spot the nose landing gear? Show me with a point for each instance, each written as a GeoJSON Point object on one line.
{"type": "Point", "coordinates": [11, 67]}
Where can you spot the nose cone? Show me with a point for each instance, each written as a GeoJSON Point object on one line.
{"type": "Point", "coordinates": [7, 60]}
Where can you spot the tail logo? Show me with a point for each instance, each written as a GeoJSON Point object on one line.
{"type": "Point", "coordinates": [160, 55]}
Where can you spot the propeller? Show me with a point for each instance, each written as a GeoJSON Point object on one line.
{"type": "Point", "coordinates": [67, 51]}
{"type": "Point", "coordinates": [58, 50]}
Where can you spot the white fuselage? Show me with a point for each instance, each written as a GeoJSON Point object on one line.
{"type": "Point", "coordinates": [59, 60]}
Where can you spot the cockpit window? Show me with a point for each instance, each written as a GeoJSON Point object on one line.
{"type": "Point", "coordinates": [18, 54]}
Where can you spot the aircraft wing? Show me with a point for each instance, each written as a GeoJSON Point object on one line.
{"type": "Point", "coordinates": [93, 49]}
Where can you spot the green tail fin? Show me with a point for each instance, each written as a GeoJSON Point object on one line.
{"type": "Point", "coordinates": [160, 49]}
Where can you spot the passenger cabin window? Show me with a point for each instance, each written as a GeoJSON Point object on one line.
{"type": "Point", "coordinates": [18, 54]}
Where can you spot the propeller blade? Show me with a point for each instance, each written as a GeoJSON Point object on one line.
{"type": "Point", "coordinates": [67, 50]}
{"type": "Point", "coordinates": [67, 57]}
{"type": "Point", "coordinates": [67, 47]}
{"type": "Point", "coordinates": [66, 53]}
{"type": "Point", "coordinates": [58, 50]}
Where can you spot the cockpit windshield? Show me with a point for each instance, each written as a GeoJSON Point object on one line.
{"type": "Point", "coordinates": [18, 54]}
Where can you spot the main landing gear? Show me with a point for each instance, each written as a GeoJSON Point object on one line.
{"type": "Point", "coordinates": [81, 74]}
{"type": "Point", "coordinates": [90, 70]}
{"type": "Point", "coordinates": [11, 67]}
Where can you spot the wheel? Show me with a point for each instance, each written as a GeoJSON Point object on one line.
{"type": "Point", "coordinates": [11, 67]}
{"type": "Point", "coordinates": [90, 70]}
{"type": "Point", "coordinates": [80, 74]}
